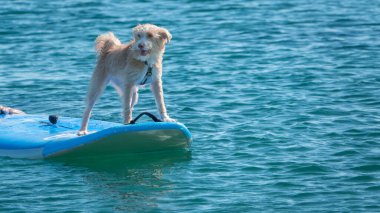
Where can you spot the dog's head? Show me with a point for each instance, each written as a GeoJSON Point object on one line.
{"type": "Point", "coordinates": [149, 40]}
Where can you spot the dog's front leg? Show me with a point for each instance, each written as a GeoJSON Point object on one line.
{"type": "Point", "coordinates": [128, 102]}
{"type": "Point", "coordinates": [159, 97]}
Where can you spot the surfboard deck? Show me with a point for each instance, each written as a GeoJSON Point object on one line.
{"type": "Point", "coordinates": [33, 136]}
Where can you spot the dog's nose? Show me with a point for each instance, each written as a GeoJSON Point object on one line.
{"type": "Point", "coordinates": [141, 45]}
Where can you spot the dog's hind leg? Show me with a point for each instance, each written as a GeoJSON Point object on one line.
{"type": "Point", "coordinates": [98, 83]}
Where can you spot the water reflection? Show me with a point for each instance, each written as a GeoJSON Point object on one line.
{"type": "Point", "coordinates": [117, 163]}
{"type": "Point", "coordinates": [133, 183]}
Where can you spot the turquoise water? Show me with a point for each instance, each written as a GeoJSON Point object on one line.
{"type": "Point", "coordinates": [282, 100]}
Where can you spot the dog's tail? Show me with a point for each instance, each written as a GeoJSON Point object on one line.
{"type": "Point", "coordinates": [105, 42]}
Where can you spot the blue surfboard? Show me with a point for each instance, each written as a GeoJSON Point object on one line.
{"type": "Point", "coordinates": [34, 136]}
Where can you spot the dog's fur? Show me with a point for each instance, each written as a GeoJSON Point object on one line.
{"type": "Point", "coordinates": [10, 111]}
{"type": "Point", "coordinates": [123, 65]}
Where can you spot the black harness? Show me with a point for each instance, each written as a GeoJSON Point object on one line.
{"type": "Point", "coordinates": [148, 74]}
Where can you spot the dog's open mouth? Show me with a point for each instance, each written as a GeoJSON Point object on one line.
{"type": "Point", "coordinates": [144, 52]}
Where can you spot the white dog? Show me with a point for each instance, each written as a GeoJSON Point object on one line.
{"type": "Point", "coordinates": [126, 67]}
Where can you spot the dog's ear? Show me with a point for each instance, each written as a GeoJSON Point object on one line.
{"type": "Point", "coordinates": [165, 35]}
{"type": "Point", "coordinates": [135, 29]}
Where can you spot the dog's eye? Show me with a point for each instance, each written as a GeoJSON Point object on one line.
{"type": "Point", "coordinates": [150, 35]}
{"type": "Point", "coordinates": [138, 36]}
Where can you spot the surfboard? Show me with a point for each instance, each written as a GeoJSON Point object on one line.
{"type": "Point", "coordinates": [35, 136]}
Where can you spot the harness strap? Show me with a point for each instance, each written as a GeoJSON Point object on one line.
{"type": "Point", "coordinates": [147, 75]}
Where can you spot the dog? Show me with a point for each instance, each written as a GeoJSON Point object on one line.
{"type": "Point", "coordinates": [10, 111]}
{"type": "Point", "coordinates": [128, 66]}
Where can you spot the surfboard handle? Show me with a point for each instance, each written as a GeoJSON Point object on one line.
{"type": "Point", "coordinates": [154, 118]}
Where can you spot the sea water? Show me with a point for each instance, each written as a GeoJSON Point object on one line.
{"type": "Point", "coordinates": [282, 99]}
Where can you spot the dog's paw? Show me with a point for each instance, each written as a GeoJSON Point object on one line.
{"type": "Point", "coordinates": [168, 119]}
{"type": "Point", "coordinates": [82, 132]}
